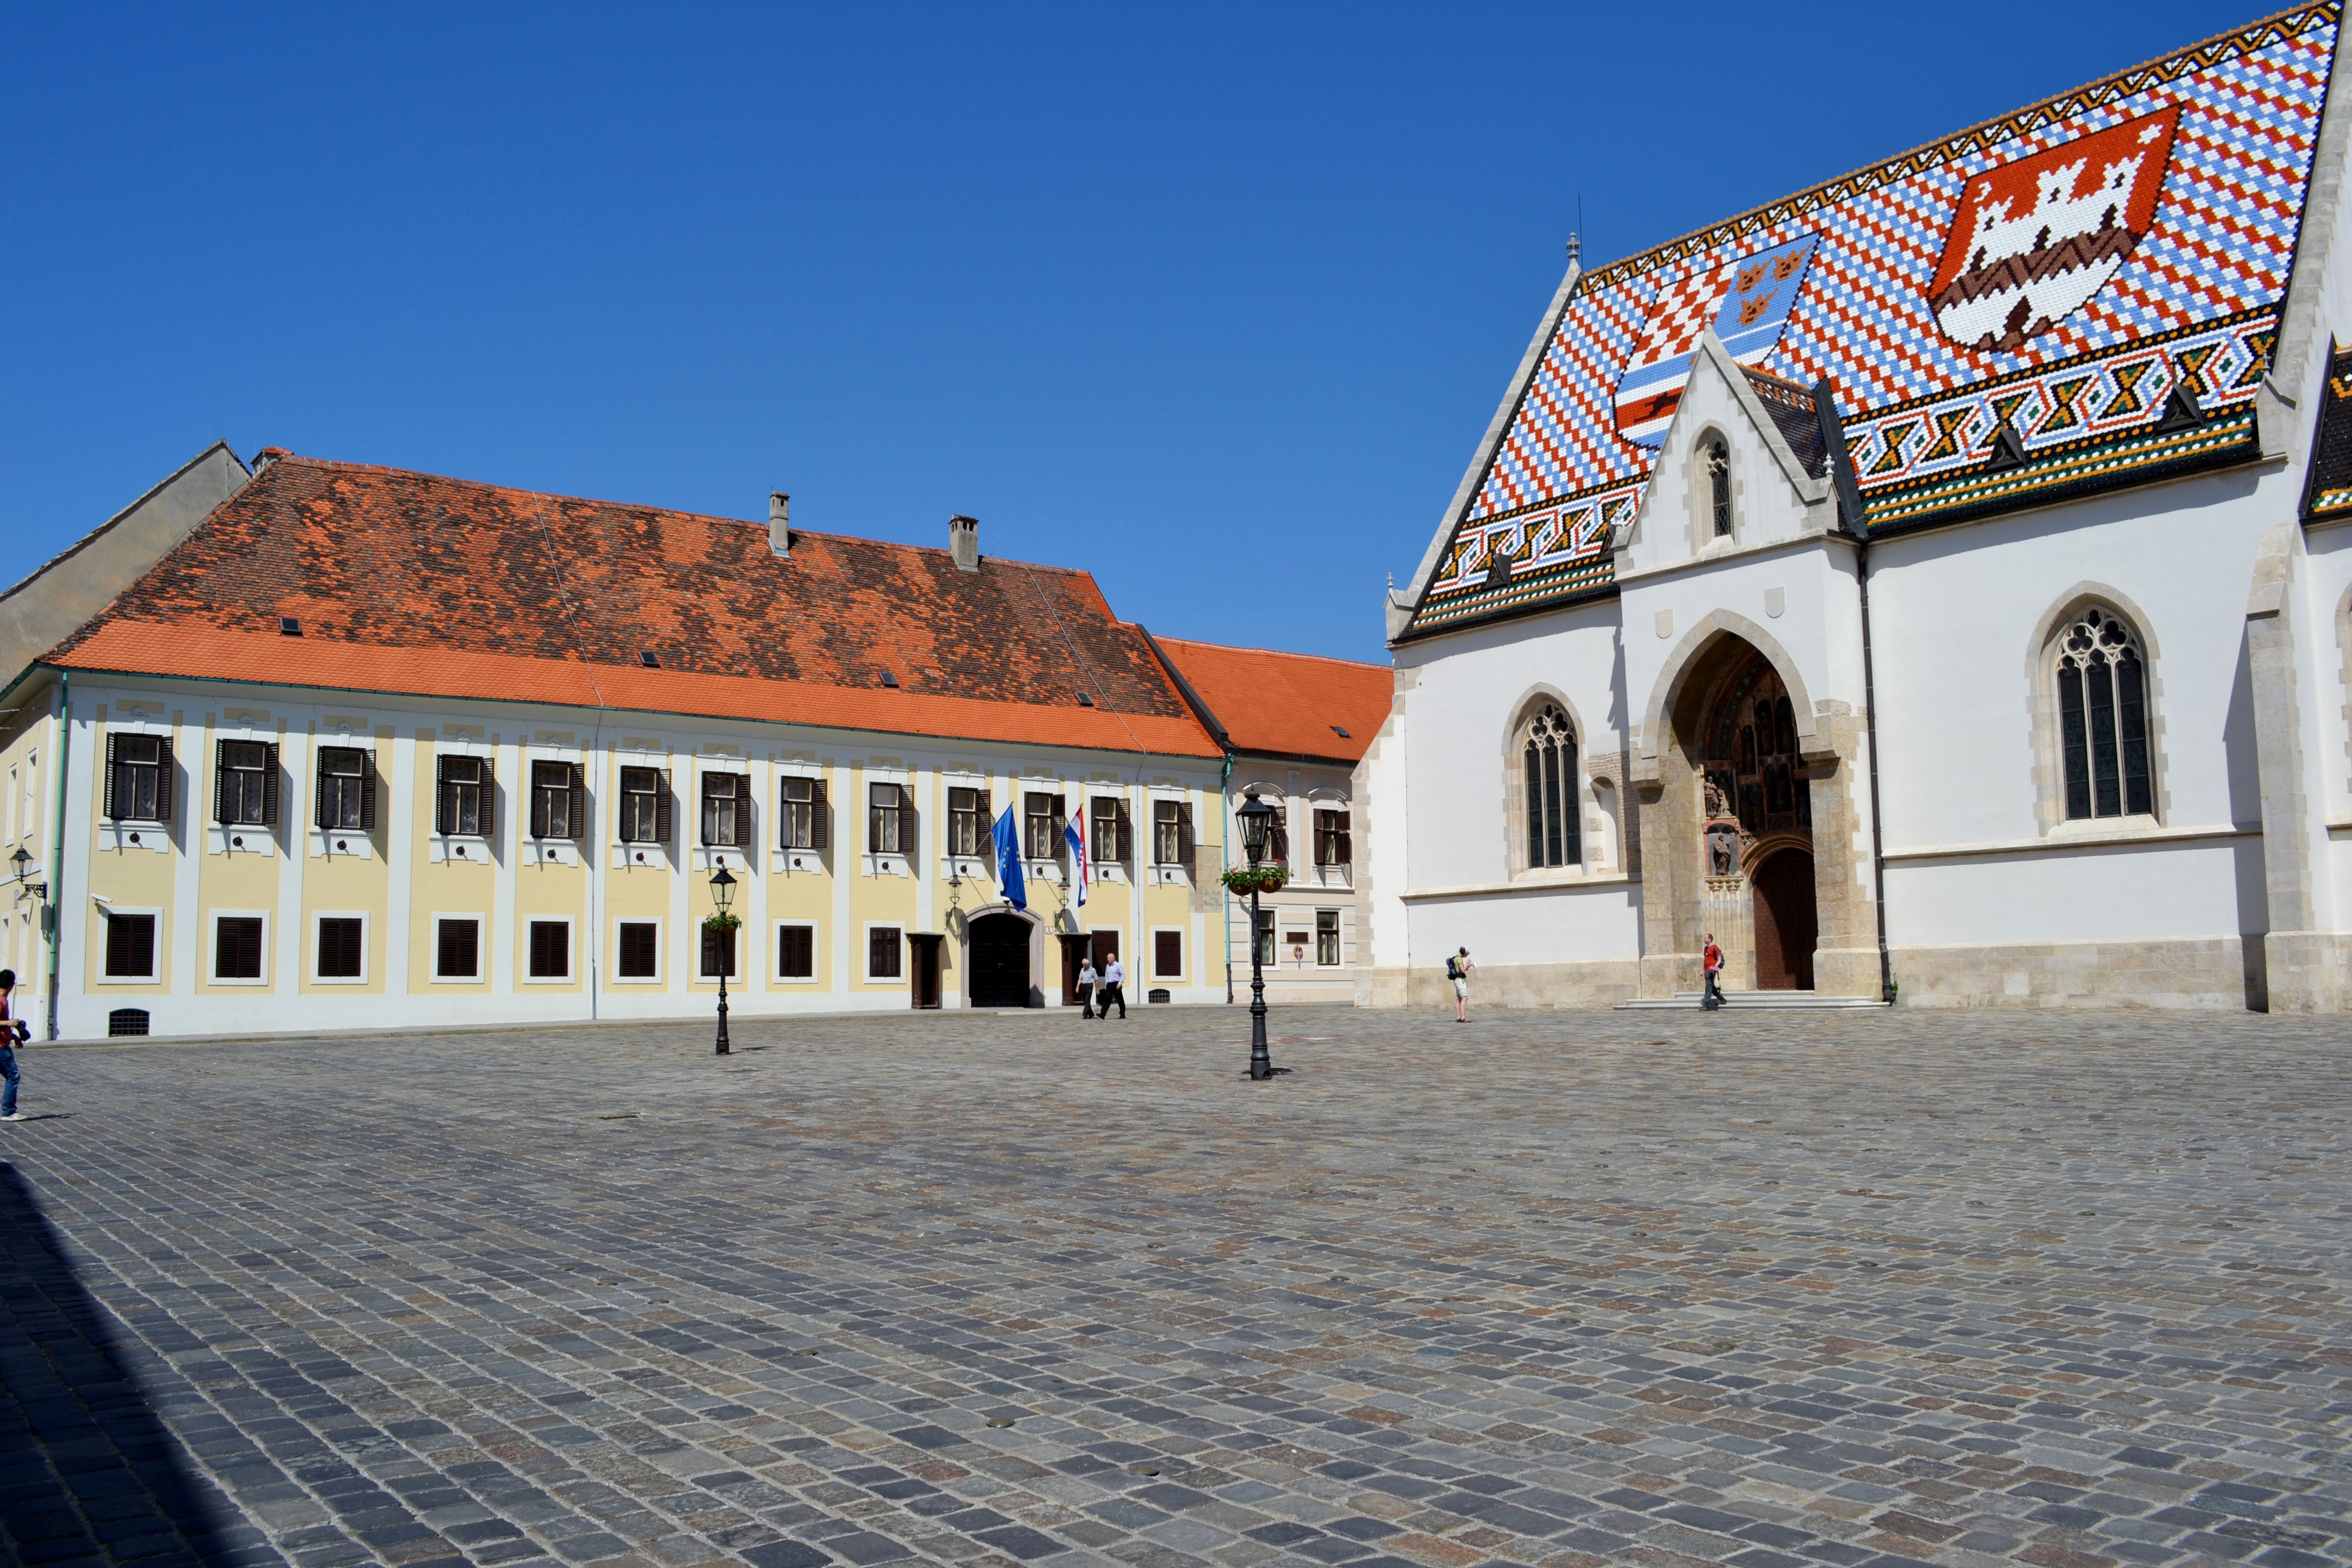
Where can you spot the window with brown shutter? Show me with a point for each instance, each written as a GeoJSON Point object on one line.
{"type": "Point", "coordinates": [237, 947]}
{"type": "Point", "coordinates": [640, 954]}
{"type": "Point", "coordinates": [457, 949]}
{"type": "Point", "coordinates": [969, 821]}
{"type": "Point", "coordinates": [796, 953]}
{"type": "Point", "coordinates": [726, 810]}
{"type": "Point", "coordinates": [130, 946]}
{"type": "Point", "coordinates": [244, 784]}
{"type": "Point", "coordinates": [1167, 955]}
{"type": "Point", "coordinates": [1171, 828]}
{"type": "Point", "coordinates": [558, 800]}
{"type": "Point", "coordinates": [644, 805]}
{"type": "Point", "coordinates": [1327, 938]}
{"type": "Point", "coordinates": [550, 950]}
{"type": "Point", "coordinates": [801, 822]}
{"type": "Point", "coordinates": [889, 819]}
{"type": "Point", "coordinates": [1113, 835]}
{"type": "Point", "coordinates": [882, 957]}
{"type": "Point", "coordinates": [464, 786]}
{"type": "Point", "coordinates": [1334, 844]}
{"type": "Point", "coordinates": [138, 778]}
{"type": "Point", "coordinates": [346, 794]}
{"type": "Point", "coordinates": [343, 947]}
{"type": "Point", "coordinates": [717, 954]}
{"type": "Point", "coordinates": [1277, 836]}
{"type": "Point", "coordinates": [1041, 816]}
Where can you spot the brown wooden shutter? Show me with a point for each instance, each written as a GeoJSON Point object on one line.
{"type": "Point", "coordinates": [819, 817]}
{"type": "Point", "coordinates": [440, 795]}
{"type": "Point", "coordinates": [578, 803]}
{"type": "Point", "coordinates": [109, 775]}
{"type": "Point", "coordinates": [164, 783]}
{"type": "Point", "coordinates": [489, 799]}
{"type": "Point", "coordinates": [1344, 838]}
{"type": "Point", "coordinates": [1126, 835]}
{"type": "Point", "coordinates": [907, 821]}
{"type": "Point", "coordinates": [270, 785]}
{"type": "Point", "coordinates": [318, 789]}
{"type": "Point", "coordinates": [367, 792]}
{"type": "Point", "coordinates": [663, 815]}
{"type": "Point", "coordinates": [1184, 833]}
{"type": "Point", "coordinates": [220, 776]}
{"type": "Point", "coordinates": [538, 801]}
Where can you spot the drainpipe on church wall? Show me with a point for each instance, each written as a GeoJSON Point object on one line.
{"type": "Point", "coordinates": [1856, 523]}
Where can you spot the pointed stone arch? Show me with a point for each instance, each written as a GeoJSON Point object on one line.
{"type": "Point", "coordinates": [1695, 661]}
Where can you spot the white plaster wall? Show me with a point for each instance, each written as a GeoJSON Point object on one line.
{"type": "Point", "coordinates": [1576, 926]}
{"type": "Point", "coordinates": [1471, 687]}
{"type": "Point", "coordinates": [2326, 601]}
{"type": "Point", "coordinates": [1954, 614]}
{"type": "Point", "coordinates": [2089, 895]}
{"type": "Point", "coordinates": [1819, 628]}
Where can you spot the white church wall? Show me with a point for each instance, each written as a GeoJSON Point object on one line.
{"type": "Point", "coordinates": [2187, 890]}
{"type": "Point", "coordinates": [2326, 601]}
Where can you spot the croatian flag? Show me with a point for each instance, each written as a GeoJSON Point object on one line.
{"type": "Point", "coordinates": [1009, 875]}
{"type": "Point", "coordinates": [1073, 832]}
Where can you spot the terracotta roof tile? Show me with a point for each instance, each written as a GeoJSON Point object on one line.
{"type": "Point", "coordinates": [414, 583]}
{"type": "Point", "coordinates": [1294, 704]}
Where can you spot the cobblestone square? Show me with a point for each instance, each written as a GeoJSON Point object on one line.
{"type": "Point", "coordinates": [1551, 1289]}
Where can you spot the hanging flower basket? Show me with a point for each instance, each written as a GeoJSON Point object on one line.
{"type": "Point", "coordinates": [721, 923]}
{"type": "Point", "coordinates": [1265, 880]}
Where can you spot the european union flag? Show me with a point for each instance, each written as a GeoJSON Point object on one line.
{"type": "Point", "coordinates": [1009, 874]}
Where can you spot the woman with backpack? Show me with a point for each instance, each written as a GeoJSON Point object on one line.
{"type": "Point", "coordinates": [1458, 969]}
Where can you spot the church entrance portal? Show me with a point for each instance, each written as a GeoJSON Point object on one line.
{"type": "Point", "coordinates": [1757, 828]}
{"type": "Point", "coordinates": [1786, 921]}
{"type": "Point", "coordinates": [1000, 962]}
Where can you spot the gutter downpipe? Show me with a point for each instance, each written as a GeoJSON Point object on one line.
{"type": "Point", "coordinates": [1224, 858]}
{"type": "Point", "coordinates": [1856, 523]}
{"type": "Point", "coordinates": [63, 751]}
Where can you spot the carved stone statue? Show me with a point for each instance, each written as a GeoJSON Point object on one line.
{"type": "Point", "coordinates": [1716, 806]}
{"type": "Point", "coordinates": [1722, 852]}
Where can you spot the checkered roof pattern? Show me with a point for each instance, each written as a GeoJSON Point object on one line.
{"type": "Point", "coordinates": [2221, 245]}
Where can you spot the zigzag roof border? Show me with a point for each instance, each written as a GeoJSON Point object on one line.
{"type": "Point", "coordinates": [2212, 51]}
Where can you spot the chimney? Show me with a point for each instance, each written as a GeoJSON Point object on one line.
{"type": "Point", "coordinates": [964, 542]}
{"type": "Point", "coordinates": [779, 532]}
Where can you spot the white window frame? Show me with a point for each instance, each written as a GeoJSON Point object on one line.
{"type": "Point", "coordinates": [465, 848]}
{"type": "Point", "coordinates": [661, 947]}
{"type": "Point", "coordinates": [1184, 950]}
{"type": "Point", "coordinates": [481, 948]}
{"type": "Point", "coordinates": [570, 975]}
{"type": "Point", "coordinates": [866, 962]}
{"type": "Point", "coordinates": [124, 834]}
{"type": "Point", "coordinates": [899, 862]}
{"type": "Point", "coordinates": [556, 851]}
{"type": "Point", "coordinates": [212, 945]}
{"type": "Point", "coordinates": [367, 939]}
{"type": "Point", "coordinates": [1339, 931]}
{"type": "Point", "coordinates": [154, 975]}
{"type": "Point", "coordinates": [817, 955]}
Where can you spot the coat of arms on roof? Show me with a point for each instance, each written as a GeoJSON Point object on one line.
{"type": "Point", "coordinates": [1749, 302]}
{"type": "Point", "coordinates": [2034, 239]}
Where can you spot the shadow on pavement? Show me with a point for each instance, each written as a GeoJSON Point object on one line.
{"type": "Point", "coordinates": [87, 1473]}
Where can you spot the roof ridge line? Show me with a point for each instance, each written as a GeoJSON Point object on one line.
{"type": "Point", "coordinates": [1273, 652]}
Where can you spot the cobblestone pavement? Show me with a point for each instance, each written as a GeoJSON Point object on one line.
{"type": "Point", "coordinates": [1551, 1289]}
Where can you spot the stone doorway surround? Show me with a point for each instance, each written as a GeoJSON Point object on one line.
{"type": "Point", "coordinates": [1668, 781]}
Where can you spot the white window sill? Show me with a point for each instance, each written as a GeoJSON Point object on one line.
{"type": "Point", "coordinates": [339, 980]}
{"type": "Point", "coordinates": [637, 856]}
{"type": "Point", "coordinates": [155, 836]}
{"type": "Point", "coordinates": [128, 980]}
{"type": "Point", "coordinates": [971, 869]}
{"type": "Point", "coordinates": [2098, 832]}
{"type": "Point", "coordinates": [550, 852]}
{"type": "Point", "coordinates": [886, 866]}
{"type": "Point", "coordinates": [723, 857]}
{"type": "Point", "coordinates": [1169, 876]}
{"type": "Point", "coordinates": [352, 841]}
{"type": "Point", "coordinates": [550, 979]}
{"type": "Point", "coordinates": [467, 848]}
{"type": "Point", "coordinates": [459, 980]}
{"type": "Point", "coordinates": [226, 983]}
{"type": "Point", "coordinates": [793, 979]}
{"type": "Point", "coordinates": [1109, 871]}
{"type": "Point", "coordinates": [804, 862]}
{"type": "Point", "coordinates": [1041, 871]}
{"type": "Point", "coordinates": [242, 838]}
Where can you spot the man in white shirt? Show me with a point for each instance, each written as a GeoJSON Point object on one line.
{"type": "Point", "coordinates": [1114, 987]}
{"type": "Point", "coordinates": [1087, 978]}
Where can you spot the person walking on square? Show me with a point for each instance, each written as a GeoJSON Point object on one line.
{"type": "Point", "coordinates": [1711, 963]}
{"type": "Point", "coordinates": [1087, 978]}
{"type": "Point", "coordinates": [1458, 969]}
{"type": "Point", "coordinates": [12, 1035]}
{"type": "Point", "coordinates": [1114, 989]}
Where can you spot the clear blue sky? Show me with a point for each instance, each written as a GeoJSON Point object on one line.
{"type": "Point", "coordinates": [1214, 303]}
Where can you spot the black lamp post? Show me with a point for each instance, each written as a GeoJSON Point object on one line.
{"type": "Point", "coordinates": [1257, 822]}
{"type": "Point", "coordinates": [722, 893]}
{"type": "Point", "coordinates": [21, 863]}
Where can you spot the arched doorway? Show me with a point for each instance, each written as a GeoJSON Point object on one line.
{"type": "Point", "coordinates": [1787, 922]}
{"type": "Point", "coordinates": [1000, 961]}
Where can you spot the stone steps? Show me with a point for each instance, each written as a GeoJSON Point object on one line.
{"type": "Point", "coordinates": [1749, 1002]}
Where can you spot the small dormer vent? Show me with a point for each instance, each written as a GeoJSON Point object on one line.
{"type": "Point", "coordinates": [963, 541]}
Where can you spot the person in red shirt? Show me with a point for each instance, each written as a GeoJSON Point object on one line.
{"type": "Point", "coordinates": [1712, 963]}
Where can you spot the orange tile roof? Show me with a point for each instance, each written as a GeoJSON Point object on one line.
{"type": "Point", "coordinates": [415, 583]}
{"type": "Point", "coordinates": [1291, 704]}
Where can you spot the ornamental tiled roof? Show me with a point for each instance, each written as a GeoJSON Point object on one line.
{"type": "Point", "coordinates": [2328, 491]}
{"type": "Point", "coordinates": [415, 584]}
{"type": "Point", "coordinates": [1287, 704]}
{"type": "Point", "coordinates": [2101, 273]}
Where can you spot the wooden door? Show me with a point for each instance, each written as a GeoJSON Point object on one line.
{"type": "Point", "coordinates": [1787, 921]}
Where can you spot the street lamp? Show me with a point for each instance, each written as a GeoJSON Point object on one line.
{"type": "Point", "coordinates": [722, 893]}
{"type": "Point", "coordinates": [21, 862]}
{"type": "Point", "coordinates": [1257, 823]}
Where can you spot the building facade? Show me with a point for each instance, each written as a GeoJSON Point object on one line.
{"type": "Point", "coordinates": [1933, 584]}
{"type": "Point", "coordinates": [1293, 728]}
{"type": "Point", "coordinates": [349, 746]}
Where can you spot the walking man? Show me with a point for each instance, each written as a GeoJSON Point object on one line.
{"type": "Point", "coordinates": [1458, 969]}
{"type": "Point", "coordinates": [1711, 962]}
{"type": "Point", "coordinates": [1114, 988]}
{"type": "Point", "coordinates": [12, 1035]}
{"type": "Point", "coordinates": [1087, 978]}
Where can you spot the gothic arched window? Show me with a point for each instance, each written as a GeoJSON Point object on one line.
{"type": "Point", "coordinates": [1718, 477]}
{"type": "Point", "coordinates": [1547, 750]}
{"type": "Point", "coordinates": [2101, 677]}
